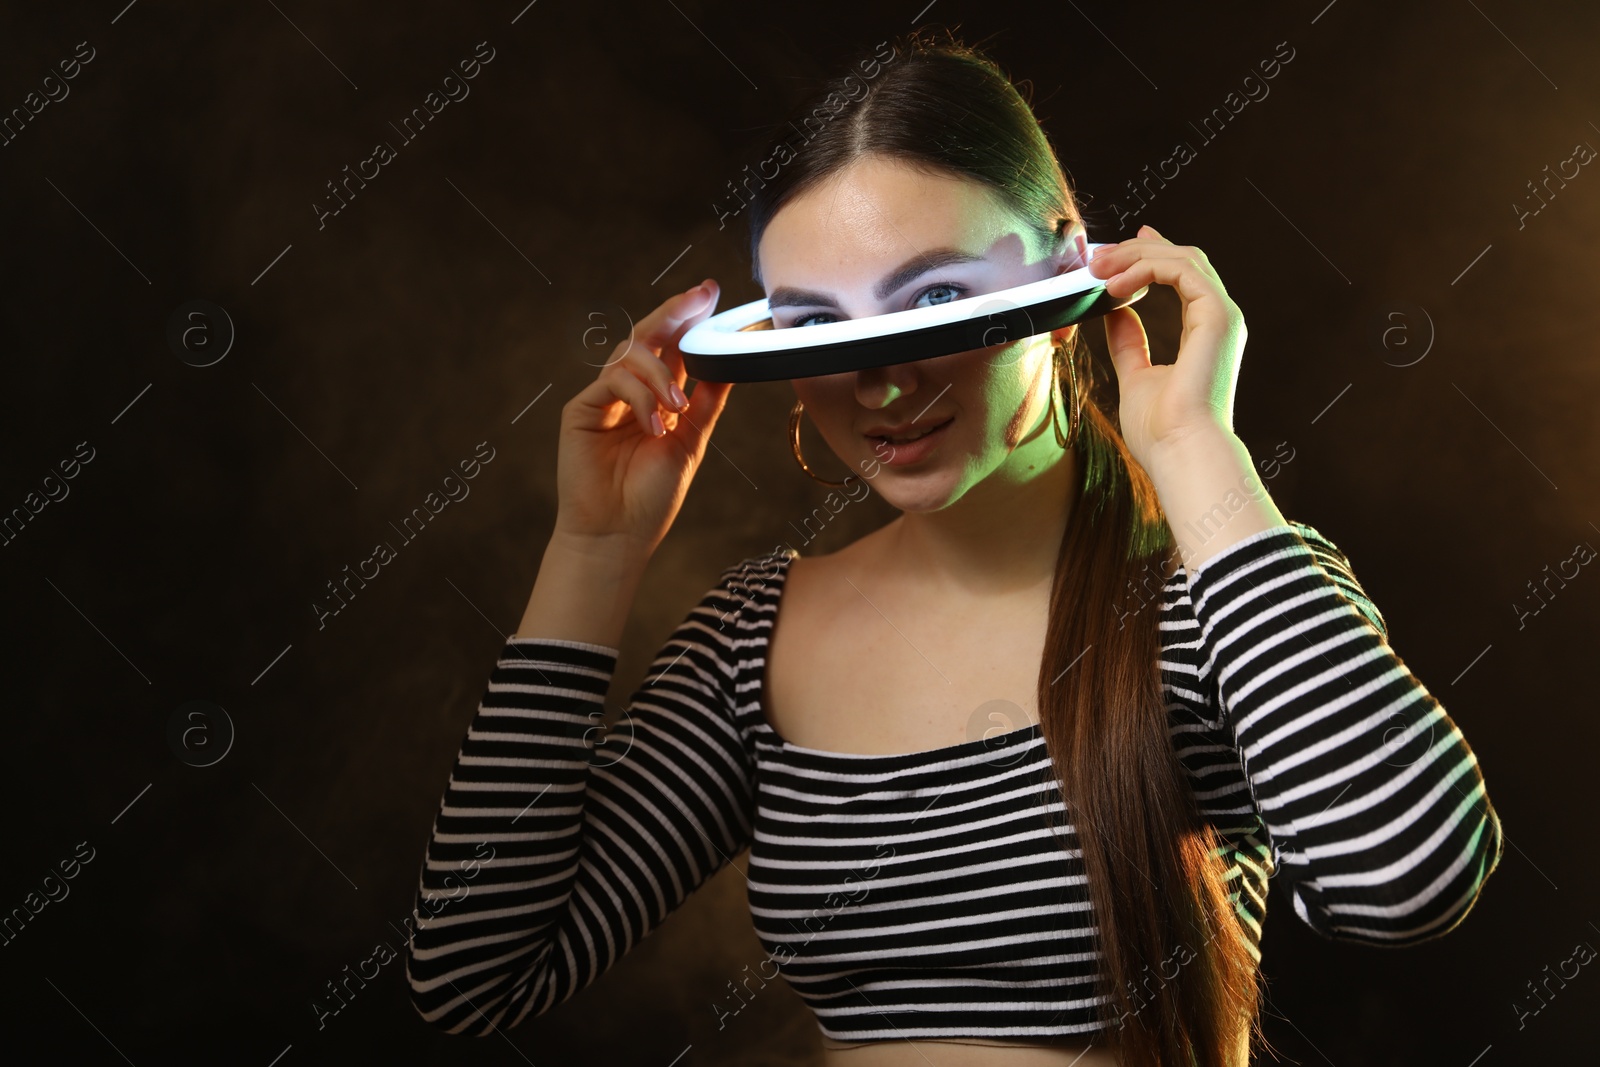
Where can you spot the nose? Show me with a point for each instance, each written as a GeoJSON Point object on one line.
{"type": "Point", "coordinates": [878, 387]}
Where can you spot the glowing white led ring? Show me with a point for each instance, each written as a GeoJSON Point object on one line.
{"type": "Point", "coordinates": [741, 345]}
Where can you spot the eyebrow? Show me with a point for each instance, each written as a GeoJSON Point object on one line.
{"type": "Point", "coordinates": [922, 263]}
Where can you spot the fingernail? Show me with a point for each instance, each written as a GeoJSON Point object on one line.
{"type": "Point", "coordinates": [677, 395]}
{"type": "Point", "coordinates": [655, 423]}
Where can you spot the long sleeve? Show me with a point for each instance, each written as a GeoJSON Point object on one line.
{"type": "Point", "coordinates": [1373, 803]}
{"type": "Point", "coordinates": [554, 851]}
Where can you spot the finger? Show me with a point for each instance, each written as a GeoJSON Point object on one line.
{"type": "Point", "coordinates": [1212, 323]}
{"type": "Point", "coordinates": [706, 404]}
{"type": "Point", "coordinates": [1195, 252]}
{"type": "Point", "coordinates": [1126, 253]}
{"type": "Point", "coordinates": [1151, 231]}
{"type": "Point", "coordinates": [1202, 292]}
{"type": "Point", "coordinates": [655, 373]}
{"type": "Point", "coordinates": [657, 333]}
{"type": "Point", "coordinates": [656, 327]}
{"type": "Point", "coordinates": [596, 401]}
{"type": "Point", "coordinates": [1126, 341]}
{"type": "Point", "coordinates": [668, 347]}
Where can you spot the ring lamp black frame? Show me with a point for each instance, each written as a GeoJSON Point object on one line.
{"type": "Point", "coordinates": [741, 344]}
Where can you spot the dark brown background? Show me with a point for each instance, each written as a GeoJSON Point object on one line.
{"type": "Point", "coordinates": [577, 180]}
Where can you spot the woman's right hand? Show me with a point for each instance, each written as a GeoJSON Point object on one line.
{"type": "Point", "coordinates": [617, 480]}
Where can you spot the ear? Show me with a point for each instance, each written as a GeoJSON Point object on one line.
{"type": "Point", "coordinates": [1065, 336]}
{"type": "Point", "coordinates": [1073, 252]}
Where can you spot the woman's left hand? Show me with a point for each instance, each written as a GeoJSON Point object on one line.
{"type": "Point", "coordinates": [1162, 404]}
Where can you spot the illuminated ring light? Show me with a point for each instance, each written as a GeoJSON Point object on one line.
{"type": "Point", "coordinates": [741, 344]}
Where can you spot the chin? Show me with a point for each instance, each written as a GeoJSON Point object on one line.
{"type": "Point", "coordinates": [922, 491]}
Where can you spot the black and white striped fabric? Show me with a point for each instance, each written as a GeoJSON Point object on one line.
{"type": "Point", "coordinates": [940, 893]}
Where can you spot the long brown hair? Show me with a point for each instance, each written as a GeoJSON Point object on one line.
{"type": "Point", "coordinates": [1153, 865]}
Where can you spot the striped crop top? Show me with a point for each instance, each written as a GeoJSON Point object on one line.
{"type": "Point", "coordinates": [934, 894]}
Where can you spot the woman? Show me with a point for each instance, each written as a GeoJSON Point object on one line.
{"type": "Point", "coordinates": [1198, 692]}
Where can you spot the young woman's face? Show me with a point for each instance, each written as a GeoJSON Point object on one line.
{"type": "Point", "coordinates": [881, 236]}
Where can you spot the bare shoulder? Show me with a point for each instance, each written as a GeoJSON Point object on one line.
{"type": "Point", "coordinates": [821, 593]}
{"type": "Point", "coordinates": [821, 571]}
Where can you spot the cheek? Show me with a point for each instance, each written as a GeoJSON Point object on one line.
{"type": "Point", "coordinates": [815, 400]}
{"type": "Point", "coordinates": [1008, 389]}
{"type": "Point", "coordinates": [1016, 426]}
{"type": "Point", "coordinates": [823, 402]}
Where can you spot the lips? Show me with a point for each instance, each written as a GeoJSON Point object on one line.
{"type": "Point", "coordinates": [900, 435]}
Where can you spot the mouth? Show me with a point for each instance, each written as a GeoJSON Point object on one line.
{"type": "Point", "coordinates": [917, 436]}
{"type": "Point", "coordinates": [911, 449]}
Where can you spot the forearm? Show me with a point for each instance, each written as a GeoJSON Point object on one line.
{"type": "Point", "coordinates": [504, 849]}
{"type": "Point", "coordinates": [584, 592]}
{"type": "Point", "coordinates": [546, 819]}
{"type": "Point", "coordinates": [1373, 801]}
{"type": "Point", "coordinates": [1212, 496]}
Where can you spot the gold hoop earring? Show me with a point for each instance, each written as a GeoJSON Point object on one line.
{"type": "Point", "coordinates": [794, 443]}
{"type": "Point", "coordinates": [1076, 407]}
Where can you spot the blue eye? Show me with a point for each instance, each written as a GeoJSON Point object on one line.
{"type": "Point", "coordinates": [957, 291]}
{"type": "Point", "coordinates": [805, 321]}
